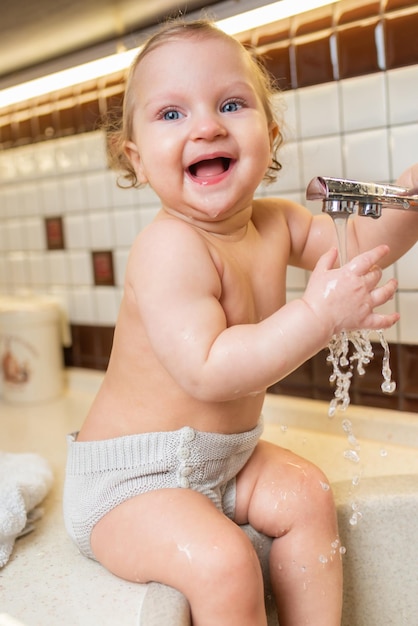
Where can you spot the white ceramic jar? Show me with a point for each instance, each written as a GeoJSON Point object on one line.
{"type": "Point", "coordinates": [32, 332]}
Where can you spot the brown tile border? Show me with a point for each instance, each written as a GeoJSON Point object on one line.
{"type": "Point", "coordinates": [91, 348]}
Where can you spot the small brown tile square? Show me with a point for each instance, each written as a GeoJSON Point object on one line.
{"type": "Point", "coordinates": [103, 268]}
{"type": "Point", "coordinates": [6, 135]}
{"type": "Point", "coordinates": [91, 346]}
{"type": "Point", "coordinates": [313, 62]}
{"type": "Point", "coordinates": [54, 229]}
{"type": "Point", "coordinates": [312, 21]}
{"type": "Point", "coordinates": [273, 33]}
{"type": "Point", "coordinates": [346, 13]}
{"type": "Point", "coordinates": [408, 382]}
{"type": "Point", "coordinates": [105, 342]}
{"type": "Point", "coordinates": [357, 50]}
{"type": "Point", "coordinates": [372, 379]}
{"type": "Point", "coordinates": [392, 5]}
{"type": "Point", "coordinates": [277, 62]}
{"type": "Point", "coordinates": [48, 125]}
{"type": "Point", "coordinates": [410, 404]}
{"type": "Point", "coordinates": [24, 134]}
{"type": "Point", "coordinates": [67, 120]}
{"type": "Point", "coordinates": [90, 115]}
{"type": "Point", "coordinates": [381, 401]}
{"type": "Point", "coordinates": [283, 389]}
{"type": "Point", "coordinates": [322, 370]}
{"type": "Point", "coordinates": [114, 103]}
{"type": "Point", "coordinates": [401, 40]}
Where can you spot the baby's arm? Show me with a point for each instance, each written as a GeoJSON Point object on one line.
{"type": "Point", "coordinates": [178, 290]}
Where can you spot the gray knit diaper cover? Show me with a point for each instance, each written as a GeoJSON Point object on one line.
{"type": "Point", "coordinates": [100, 475]}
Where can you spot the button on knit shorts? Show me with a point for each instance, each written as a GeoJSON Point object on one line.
{"type": "Point", "coordinates": [100, 475]}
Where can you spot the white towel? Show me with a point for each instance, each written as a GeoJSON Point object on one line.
{"type": "Point", "coordinates": [25, 479]}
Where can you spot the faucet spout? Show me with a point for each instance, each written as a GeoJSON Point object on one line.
{"type": "Point", "coordinates": [341, 197]}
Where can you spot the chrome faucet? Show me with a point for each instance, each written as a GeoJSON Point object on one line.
{"type": "Point", "coordinates": [340, 197]}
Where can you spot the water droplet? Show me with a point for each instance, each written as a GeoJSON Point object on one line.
{"type": "Point", "coordinates": [388, 386]}
{"type": "Point", "coordinates": [347, 426]}
{"type": "Point", "coordinates": [351, 455]}
{"type": "Point", "coordinates": [325, 486]}
{"type": "Point", "coordinates": [332, 408]}
{"type": "Point", "coordinates": [356, 479]}
{"type": "Point", "coordinates": [323, 558]}
{"type": "Point", "coordinates": [353, 441]}
{"type": "Point", "coordinates": [343, 550]}
{"type": "Point", "coordinates": [355, 518]}
{"type": "Point", "coordinates": [383, 452]}
{"type": "Point", "coordinates": [283, 428]}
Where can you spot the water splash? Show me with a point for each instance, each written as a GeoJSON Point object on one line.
{"type": "Point", "coordinates": [350, 350]}
{"type": "Point", "coordinates": [356, 515]}
{"type": "Point", "coordinates": [352, 455]}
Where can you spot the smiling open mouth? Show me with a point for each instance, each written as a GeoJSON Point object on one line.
{"type": "Point", "coordinates": [209, 168]}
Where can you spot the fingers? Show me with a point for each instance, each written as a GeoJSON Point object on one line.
{"type": "Point", "coordinates": [363, 263]}
{"type": "Point", "coordinates": [327, 260]}
{"type": "Point", "coordinates": [382, 294]}
{"type": "Point", "coordinates": [377, 321]}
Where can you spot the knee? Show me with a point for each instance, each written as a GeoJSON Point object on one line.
{"type": "Point", "coordinates": [304, 498]}
{"type": "Point", "coordinates": [232, 558]}
{"type": "Point", "coordinates": [315, 501]}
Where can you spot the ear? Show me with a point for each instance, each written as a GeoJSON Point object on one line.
{"type": "Point", "coordinates": [132, 153]}
{"type": "Point", "coordinates": [273, 132]}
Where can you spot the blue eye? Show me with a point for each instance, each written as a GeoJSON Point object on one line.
{"type": "Point", "coordinates": [231, 106]}
{"type": "Point", "coordinates": [171, 115]}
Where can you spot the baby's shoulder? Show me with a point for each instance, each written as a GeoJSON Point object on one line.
{"type": "Point", "coordinates": [166, 239]}
{"type": "Point", "coordinates": [272, 205]}
{"type": "Point", "coordinates": [271, 210]}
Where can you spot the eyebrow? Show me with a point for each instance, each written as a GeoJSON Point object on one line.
{"type": "Point", "coordinates": [173, 95]}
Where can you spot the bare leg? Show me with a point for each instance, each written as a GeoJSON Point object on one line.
{"type": "Point", "coordinates": [178, 537]}
{"type": "Point", "coordinates": [285, 496]}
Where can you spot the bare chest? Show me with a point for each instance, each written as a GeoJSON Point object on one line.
{"type": "Point", "coordinates": [253, 285]}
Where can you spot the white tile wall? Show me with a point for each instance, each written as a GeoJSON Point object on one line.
{"type": "Point", "coordinates": [404, 142]}
{"type": "Point", "coordinates": [363, 102]}
{"type": "Point", "coordinates": [366, 155]}
{"type": "Point", "coordinates": [403, 95]}
{"type": "Point", "coordinates": [319, 110]}
{"type": "Point", "coordinates": [408, 307]}
{"type": "Point", "coordinates": [365, 127]}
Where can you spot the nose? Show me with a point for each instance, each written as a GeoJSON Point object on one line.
{"type": "Point", "coordinates": [207, 125]}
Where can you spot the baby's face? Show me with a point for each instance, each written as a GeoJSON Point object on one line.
{"type": "Point", "coordinates": [201, 136]}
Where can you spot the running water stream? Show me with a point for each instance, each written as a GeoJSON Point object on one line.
{"type": "Point", "coordinates": [352, 349]}
{"type": "Point", "coordinates": [349, 350]}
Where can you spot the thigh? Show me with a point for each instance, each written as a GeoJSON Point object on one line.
{"type": "Point", "coordinates": [277, 487]}
{"type": "Point", "coordinates": [172, 536]}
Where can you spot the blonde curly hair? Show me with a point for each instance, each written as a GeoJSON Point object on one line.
{"type": "Point", "coordinates": [120, 127]}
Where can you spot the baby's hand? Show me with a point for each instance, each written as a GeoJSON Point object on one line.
{"type": "Point", "coordinates": [409, 178]}
{"type": "Point", "coordinates": [345, 298]}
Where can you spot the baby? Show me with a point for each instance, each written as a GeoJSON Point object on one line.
{"type": "Point", "coordinates": [169, 461]}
